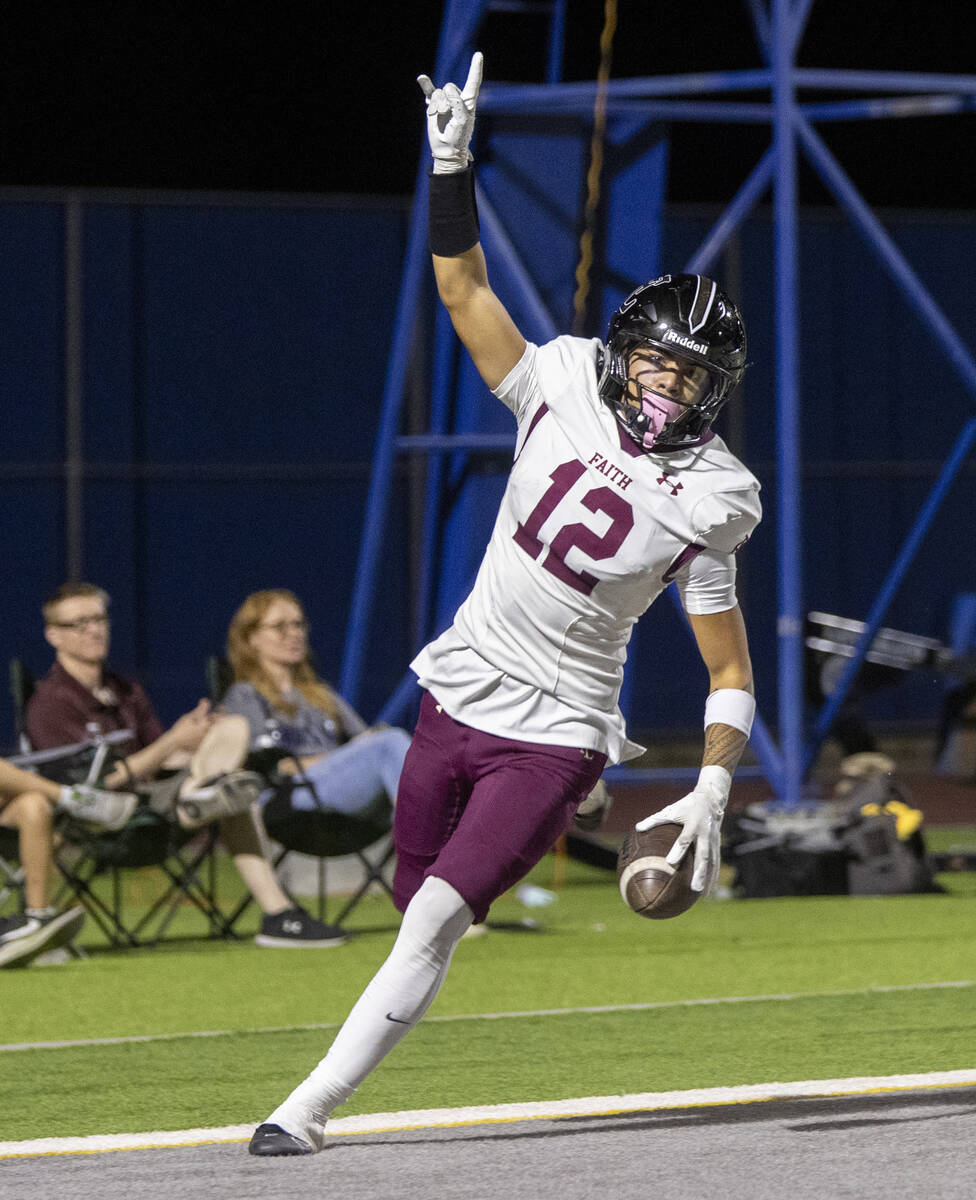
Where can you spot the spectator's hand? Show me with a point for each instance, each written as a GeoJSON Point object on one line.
{"type": "Point", "coordinates": [450, 118]}
{"type": "Point", "coordinates": [298, 764]}
{"type": "Point", "coordinates": [700, 815]}
{"type": "Point", "coordinates": [189, 731]}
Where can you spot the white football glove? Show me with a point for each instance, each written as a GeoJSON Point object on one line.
{"type": "Point", "coordinates": [592, 812]}
{"type": "Point", "coordinates": [700, 814]}
{"type": "Point", "coordinates": [450, 118]}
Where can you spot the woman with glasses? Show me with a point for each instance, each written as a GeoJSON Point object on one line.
{"type": "Point", "coordinates": [81, 698]}
{"type": "Point", "coordinates": [338, 764]}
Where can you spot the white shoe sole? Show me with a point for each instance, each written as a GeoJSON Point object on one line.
{"type": "Point", "coordinates": [21, 951]}
{"type": "Point", "coordinates": [222, 750]}
{"type": "Point", "coordinates": [264, 939]}
{"type": "Point", "coordinates": [124, 814]}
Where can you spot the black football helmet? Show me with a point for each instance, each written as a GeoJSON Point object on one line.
{"type": "Point", "coordinates": [690, 319]}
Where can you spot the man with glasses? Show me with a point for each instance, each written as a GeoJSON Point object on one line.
{"type": "Point", "coordinates": [81, 699]}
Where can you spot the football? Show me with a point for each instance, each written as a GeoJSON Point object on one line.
{"type": "Point", "coordinates": [648, 883]}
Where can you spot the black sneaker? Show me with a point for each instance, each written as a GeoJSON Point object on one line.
{"type": "Point", "coordinates": [271, 1141]}
{"type": "Point", "coordinates": [29, 934]}
{"type": "Point", "coordinates": [294, 927]}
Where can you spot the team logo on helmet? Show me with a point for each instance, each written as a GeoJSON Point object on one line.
{"type": "Point", "coordinates": [687, 342]}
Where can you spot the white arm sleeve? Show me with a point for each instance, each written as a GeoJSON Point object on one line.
{"type": "Point", "coordinates": [707, 583]}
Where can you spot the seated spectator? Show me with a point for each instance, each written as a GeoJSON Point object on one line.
{"type": "Point", "coordinates": [28, 803]}
{"type": "Point", "coordinates": [348, 765]}
{"type": "Point", "coordinates": [81, 698]}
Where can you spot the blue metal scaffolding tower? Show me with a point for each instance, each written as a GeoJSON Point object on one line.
{"type": "Point", "coordinates": [645, 107]}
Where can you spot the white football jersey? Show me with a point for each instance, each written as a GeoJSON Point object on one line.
{"type": "Point", "coordinates": [589, 532]}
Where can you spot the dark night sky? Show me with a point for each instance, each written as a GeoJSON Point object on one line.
{"type": "Point", "coordinates": [296, 96]}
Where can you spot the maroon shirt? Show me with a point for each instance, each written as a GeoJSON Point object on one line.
{"type": "Point", "coordinates": [62, 710]}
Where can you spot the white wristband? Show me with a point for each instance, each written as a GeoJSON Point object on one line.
{"type": "Point", "coordinates": [731, 706]}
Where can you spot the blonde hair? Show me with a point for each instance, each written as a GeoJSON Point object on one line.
{"type": "Point", "coordinates": [247, 667]}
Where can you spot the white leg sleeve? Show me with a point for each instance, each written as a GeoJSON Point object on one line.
{"type": "Point", "coordinates": [394, 1001]}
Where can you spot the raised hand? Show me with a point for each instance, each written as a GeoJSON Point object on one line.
{"type": "Point", "coordinates": [450, 118]}
{"type": "Point", "coordinates": [188, 732]}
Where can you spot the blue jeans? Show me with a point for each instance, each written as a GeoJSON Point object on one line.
{"type": "Point", "coordinates": [354, 777]}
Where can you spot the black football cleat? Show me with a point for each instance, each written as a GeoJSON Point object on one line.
{"type": "Point", "coordinates": [272, 1141]}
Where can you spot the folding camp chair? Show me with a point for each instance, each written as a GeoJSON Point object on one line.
{"type": "Point", "coordinates": [11, 873]}
{"type": "Point", "coordinates": [13, 900]}
{"type": "Point", "coordinates": [324, 834]}
{"type": "Point", "coordinates": [21, 688]}
{"type": "Point", "coordinates": [83, 856]}
{"type": "Point", "coordinates": [319, 833]}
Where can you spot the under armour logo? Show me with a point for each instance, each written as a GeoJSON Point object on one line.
{"type": "Point", "coordinates": [292, 927]}
{"type": "Point", "coordinates": [665, 478]}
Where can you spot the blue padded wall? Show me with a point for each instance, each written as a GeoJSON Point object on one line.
{"type": "Point", "coordinates": [234, 359]}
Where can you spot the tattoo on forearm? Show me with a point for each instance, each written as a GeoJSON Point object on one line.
{"type": "Point", "coordinates": [723, 747]}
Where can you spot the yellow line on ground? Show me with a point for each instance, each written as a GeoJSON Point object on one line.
{"type": "Point", "coordinates": [593, 1106]}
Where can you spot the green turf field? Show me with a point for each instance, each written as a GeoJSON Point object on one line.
{"type": "Point", "coordinates": [818, 962]}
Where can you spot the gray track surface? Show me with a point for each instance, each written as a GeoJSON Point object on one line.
{"type": "Point", "coordinates": [917, 1145]}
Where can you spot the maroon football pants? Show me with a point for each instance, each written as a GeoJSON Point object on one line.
{"type": "Point", "coordinates": [479, 811]}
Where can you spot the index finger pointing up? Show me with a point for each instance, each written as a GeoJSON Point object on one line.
{"type": "Point", "coordinates": [473, 82]}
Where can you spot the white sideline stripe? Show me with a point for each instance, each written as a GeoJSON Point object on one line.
{"type": "Point", "coordinates": [432, 1118]}
{"type": "Point", "coordinates": [647, 1006]}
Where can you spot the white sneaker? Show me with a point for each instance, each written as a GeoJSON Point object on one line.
{"type": "Point", "coordinates": [224, 797]}
{"type": "Point", "coordinates": [110, 810]}
{"type": "Point", "coordinates": [27, 936]}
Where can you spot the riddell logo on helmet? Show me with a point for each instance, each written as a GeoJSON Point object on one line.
{"type": "Point", "coordinates": [687, 342]}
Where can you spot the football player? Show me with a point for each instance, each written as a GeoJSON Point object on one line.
{"type": "Point", "coordinates": [618, 487]}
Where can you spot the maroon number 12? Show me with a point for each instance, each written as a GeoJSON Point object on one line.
{"type": "Point", "coordinates": [596, 546]}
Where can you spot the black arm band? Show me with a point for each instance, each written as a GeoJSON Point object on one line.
{"type": "Point", "coordinates": [452, 213]}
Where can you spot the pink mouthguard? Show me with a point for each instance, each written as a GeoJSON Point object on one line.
{"type": "Point", "coordinates": [659, 412]}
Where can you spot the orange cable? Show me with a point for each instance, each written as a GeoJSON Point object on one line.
{"type": "Point", "coordinates": [596, 167]}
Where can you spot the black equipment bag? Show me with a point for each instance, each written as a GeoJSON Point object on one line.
{"type": "Point", "coordinates": [869, 843]}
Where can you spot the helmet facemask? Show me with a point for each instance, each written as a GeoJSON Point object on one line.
{"type": "Point", "coordinates": [695, 331]}
{"type": "Point", "coordinates": [664, 400]}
